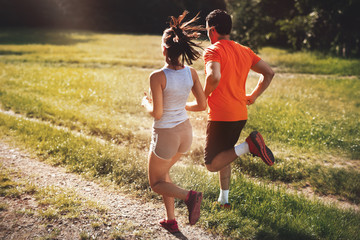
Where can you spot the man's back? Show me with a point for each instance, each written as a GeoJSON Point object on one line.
{"type": "Point", "coordinates": [228, 101]}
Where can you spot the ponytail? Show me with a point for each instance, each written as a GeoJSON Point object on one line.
{"type": "Point", "coordinates": [178, 39]}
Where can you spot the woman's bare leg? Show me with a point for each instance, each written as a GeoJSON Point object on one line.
{"type": "Point", "coordinates": [169, 203]}
{"type": "Point", "coordinates": [161, 183]}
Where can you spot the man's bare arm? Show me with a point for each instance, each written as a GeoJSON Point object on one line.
{"type": "Point", "coordinates": [267, 74]}
{"type": "Point", "coordinates": [212, 79]}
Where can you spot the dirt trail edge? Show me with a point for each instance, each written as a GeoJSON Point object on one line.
{"type": "Point", "coordinates": [143, 216]}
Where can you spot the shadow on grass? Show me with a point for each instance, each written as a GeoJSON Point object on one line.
{"type": "Point", "coordinates": [13, 53]}
{"type": "Point", "coordinates": [282, 234]}
{"type": "Point", "coordinates": [41, 36]}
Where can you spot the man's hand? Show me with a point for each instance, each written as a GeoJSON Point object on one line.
{"type": "Point", "coordinates": [250, 99]}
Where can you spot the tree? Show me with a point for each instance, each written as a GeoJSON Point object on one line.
{"type": "Point", "coordinates": [324, 25]}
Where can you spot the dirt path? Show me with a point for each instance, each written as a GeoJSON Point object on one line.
{"type": "Point", "coordinates": [142, 216]}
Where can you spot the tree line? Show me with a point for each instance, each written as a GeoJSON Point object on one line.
{"type": "Point", "coordinates": [323, 25]}
{"type": "Point", "coordinates": [133, 16]}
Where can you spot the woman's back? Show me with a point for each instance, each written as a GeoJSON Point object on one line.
{"type": "Point", "coordinates": [175, 94]}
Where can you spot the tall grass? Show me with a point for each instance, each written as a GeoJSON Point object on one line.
{"type": "Point", "coordinates": [342, 182]}
{"type": "Point", "coordinates": [259, 211]}
{"type": "Point", "coordinates": [316, 113]}
{"type": "Point", "coordinates": [311, 62]}
{"type": "Point", "coordinates": [93, 83]}
{"type": "Point", "coordinates": [96, 101]}
{"type": "Point", "coordinates": [78, 153]}
{"type": "Point", "coordinates": [85, 84]}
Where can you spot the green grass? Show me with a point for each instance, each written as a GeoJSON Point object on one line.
{"type": "Point", "coordinates": [3, 206]}
{"type": "Point", "coordinates": [259, 210]}
{"type": "Point", "coordinates": [78, 153]}
{"type": "Point", "coordinates": [93, 83]}
{"type": "Point", "coordinates": [341, 182]}
{"type": "Point", "coordinates": [8, 188]}
{"type": "Point", "coordinates": [78, 102]}
{"type": "Point", "coordinates": [100, 100]}
{"type": "Point", "coordinates": [263, 212]}
{"type": "Point", "coordinates": [319, 114]}
{"type": "Point", "coordinates": [311, 62]}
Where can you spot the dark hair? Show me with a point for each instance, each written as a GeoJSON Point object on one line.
{"type": "Point", "coordinates": [221, 20]}
{"type": "Point", "coordinates": [178, 40]}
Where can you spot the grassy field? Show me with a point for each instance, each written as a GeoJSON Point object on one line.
{"type": "Point", "coordinates": [93, 84]}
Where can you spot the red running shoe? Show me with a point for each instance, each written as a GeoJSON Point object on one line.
{"type": "Point", "coordinates": [170, 225]}
{"type": "Point", "coordinates": [258, 148]}
{"type": "Point", "coordinates": [193, 203]}
{"type": "Point", "coordinates": [226, 206]}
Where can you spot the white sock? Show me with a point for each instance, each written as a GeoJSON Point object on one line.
{"type": "Point", "coordinates": [242, 148]}
{"type": "Point", "coordinates": [224, 196]}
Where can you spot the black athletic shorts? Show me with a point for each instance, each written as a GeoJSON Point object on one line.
{"type": "Point", "coordinates": [221, 136]}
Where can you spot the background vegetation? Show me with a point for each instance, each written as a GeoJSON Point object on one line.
{"type": "Point", "coordinates": [328, 26]}
{"type": "Point", "coordinates": [81, 94]}
{"type": "Point", "coordinates": [71, 83]}
{"type": "Point", "coordinates": [324, 25]}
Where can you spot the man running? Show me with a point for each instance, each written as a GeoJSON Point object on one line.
{"type": "Point", "coordinates": [227, 65]}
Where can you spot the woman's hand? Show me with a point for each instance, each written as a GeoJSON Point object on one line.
{"type": "Point", "coordinates": [146, 100]}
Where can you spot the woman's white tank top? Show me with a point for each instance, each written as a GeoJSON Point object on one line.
{"type": "Point", "coordinates": [175, 95]}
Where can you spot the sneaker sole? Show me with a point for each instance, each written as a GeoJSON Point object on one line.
{"type": "Point", "coordinates": [225, 206]}
{"type": "Point", "coordinates": [169, 228]}
{"type": "Point", "coordinates": [195, 213]}
{"type": "Point", "coordinates": [266, 154]}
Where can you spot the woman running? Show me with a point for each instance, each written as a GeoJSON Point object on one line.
{"type": "Point", "coordinates": [172, 132]}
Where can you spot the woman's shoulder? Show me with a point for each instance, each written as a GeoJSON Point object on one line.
{"type": "Point", "coordinates": [194, 74]}
{"type": "Point", "coordinates": [157, 74]}
{"type": "Point", "coordinates": [192, 70]}
{"type": "Point", "coordinates": [158, 77]}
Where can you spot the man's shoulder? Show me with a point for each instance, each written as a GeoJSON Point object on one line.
{"type": "Point", "coordinates": [215, 47]}
{"type": "Point", "coordinates": [239, 45]}
{"type": "Point", "coordinates": [226, 44]}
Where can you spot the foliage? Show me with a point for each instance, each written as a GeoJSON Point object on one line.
{"type": "Point", "coordinates": [329, 26]}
